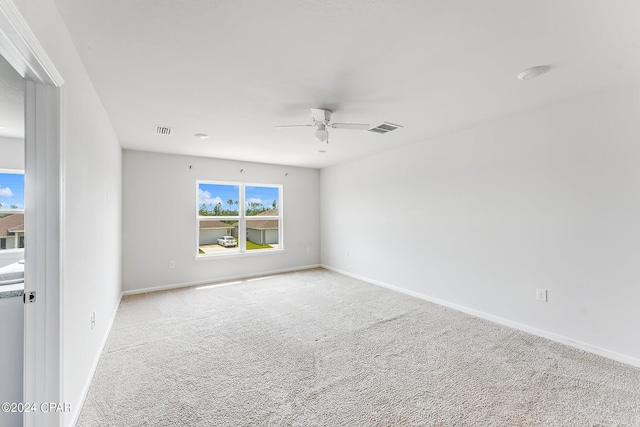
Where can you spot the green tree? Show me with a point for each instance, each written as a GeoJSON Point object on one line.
{"type": "Point", "coordinates": [230, 211]}
{"type": "Point", "coordinates": [217, 209]}
{"type": "Point", "coordinates": [203, 210]}
{"type": "Point", "coordinates": [255, 208]}
{"type": "Point", "coordinates": [14, 206]}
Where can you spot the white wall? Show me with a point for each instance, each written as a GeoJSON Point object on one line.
{"type": "Point", "coordinates": [11, 153]}
{"type": "Point", "coordinates": [91, 226]}
{"type": "Point", "coordinates": [159, 219]}
{"type": "Point", "coordinates": [482, 217]}
{"type": "Point", "coordinates": [12, 324]}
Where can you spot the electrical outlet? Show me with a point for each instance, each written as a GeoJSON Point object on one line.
{"type": "Point", "coordinates": [541, 295]}
{"type": "Point", "coordinates": [172, 264]}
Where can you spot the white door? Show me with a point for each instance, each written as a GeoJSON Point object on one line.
{"type": "Point", "coordinates": [42, 377]}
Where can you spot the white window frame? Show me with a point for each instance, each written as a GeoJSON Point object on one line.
{"type": "Point", "coordinates": [242, 217]}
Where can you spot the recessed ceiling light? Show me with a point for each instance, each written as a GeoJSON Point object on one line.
{"type": "Point", "coordinates": [533, 72]}
{"type": "Point", "coordinates": [201, 135]}
{"type": "Point", "coordinates": [319, 151]}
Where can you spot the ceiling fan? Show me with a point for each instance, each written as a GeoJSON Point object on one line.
{"type": "Point", "coordinates": [322, 122]}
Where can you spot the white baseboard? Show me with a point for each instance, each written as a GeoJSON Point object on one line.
{"type": "Point", "coordinates": [506, 322]}
{"type": "Point", "coordinates": [217, 280]}
{"type": "Point", "coordinates": [94, 365]}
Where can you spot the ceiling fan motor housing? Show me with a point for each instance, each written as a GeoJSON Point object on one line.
{"type": "Point", "coordinates": [321, 115]}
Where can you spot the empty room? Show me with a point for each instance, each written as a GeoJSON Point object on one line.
{"type": "Point", "coordinates": [320, 213]}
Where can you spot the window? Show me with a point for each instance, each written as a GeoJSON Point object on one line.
{"type": "Point", "coordinates": [11, 191]}
{"type": "Point", "coordinates": [11, 209]}
{"type": "Point", "coordinates": [238, 218]}
{"type": "Point", "coordinates": [262, 209]}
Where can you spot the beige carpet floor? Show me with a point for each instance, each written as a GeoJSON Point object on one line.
{"type": "Point", "coordinates": [315, 348]}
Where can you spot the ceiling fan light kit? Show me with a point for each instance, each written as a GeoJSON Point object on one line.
{"type": "Point", "coordinates": [321, 133]}
{"type": "Point", "coordinates": [321, 120]}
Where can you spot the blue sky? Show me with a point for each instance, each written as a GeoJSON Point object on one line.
{"type": "Point", "coordinates": [264, 195]}
{"type": "Point", "coordinates": [214, 193]}
{"type": "Point", "coordinates": [11, 190]}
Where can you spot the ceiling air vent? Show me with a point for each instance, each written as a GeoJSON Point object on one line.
{"type": "Point", "coordinates": [384, 128]}
{"type": "Point", "coordinates": [163, 130]}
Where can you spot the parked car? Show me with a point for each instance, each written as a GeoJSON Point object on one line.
{"type": "Point", "coordinates": [227, 241]}
{"type": "Point", "coordinates": [12, 273]}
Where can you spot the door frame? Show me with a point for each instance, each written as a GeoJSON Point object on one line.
{"type": "Point", "coordinates": [44, 214]}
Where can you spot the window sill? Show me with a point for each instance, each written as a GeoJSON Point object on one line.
{"type": "Point", "coordinates": [258, 252]}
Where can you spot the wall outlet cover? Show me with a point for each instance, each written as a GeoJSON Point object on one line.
{"type": "Point", "coordinates": [541, 295]}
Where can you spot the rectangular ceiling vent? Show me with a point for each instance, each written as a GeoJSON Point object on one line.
{"type": "Point", "coordinates": [163, 130]}
{"type": "Point", "coordinates": [384, 128]}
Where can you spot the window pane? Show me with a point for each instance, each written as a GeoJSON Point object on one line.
{"type": "Point", "coordinates": [11, 211]}
{"type": "Point", "coordinates": [263, 234]}
{"type": "Point", "coordinates": [261, 201]}
{"type": "Point", "coordinates": [11, 192]}
{"type": "Point", "coordinates": [218, 200]}
{"type": "Point", "coordinates": [216, 237]}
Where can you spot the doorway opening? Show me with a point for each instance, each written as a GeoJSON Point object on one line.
{"type": "Point", "coordinates": [12, 237]}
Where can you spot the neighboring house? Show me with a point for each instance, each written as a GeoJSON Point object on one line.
{"type": "Point", "coordinates": [211, 231]}
{"type": "Point", "coordinates": [12, 231]}
{"type": "Point", "coordinates": [263, 231]}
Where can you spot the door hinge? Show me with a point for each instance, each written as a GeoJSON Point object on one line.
{"type": "Point", "coordinates": [29, 297]}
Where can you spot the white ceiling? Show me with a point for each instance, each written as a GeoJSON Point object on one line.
{"type": "Point", "coordinates": [11, 101]}
{"type": "Point", "coordinates": [235, 68]}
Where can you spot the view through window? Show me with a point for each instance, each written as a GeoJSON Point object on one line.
{"type": "Point", "coordinates": [238, 218]}
{"type": "Point", "coordinates": [11, 210]}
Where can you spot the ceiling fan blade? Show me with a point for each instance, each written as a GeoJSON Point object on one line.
{"type": "Point", "coordinates": [352, 126]}
{"type": "Point", "coordinates": [293, 126]}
